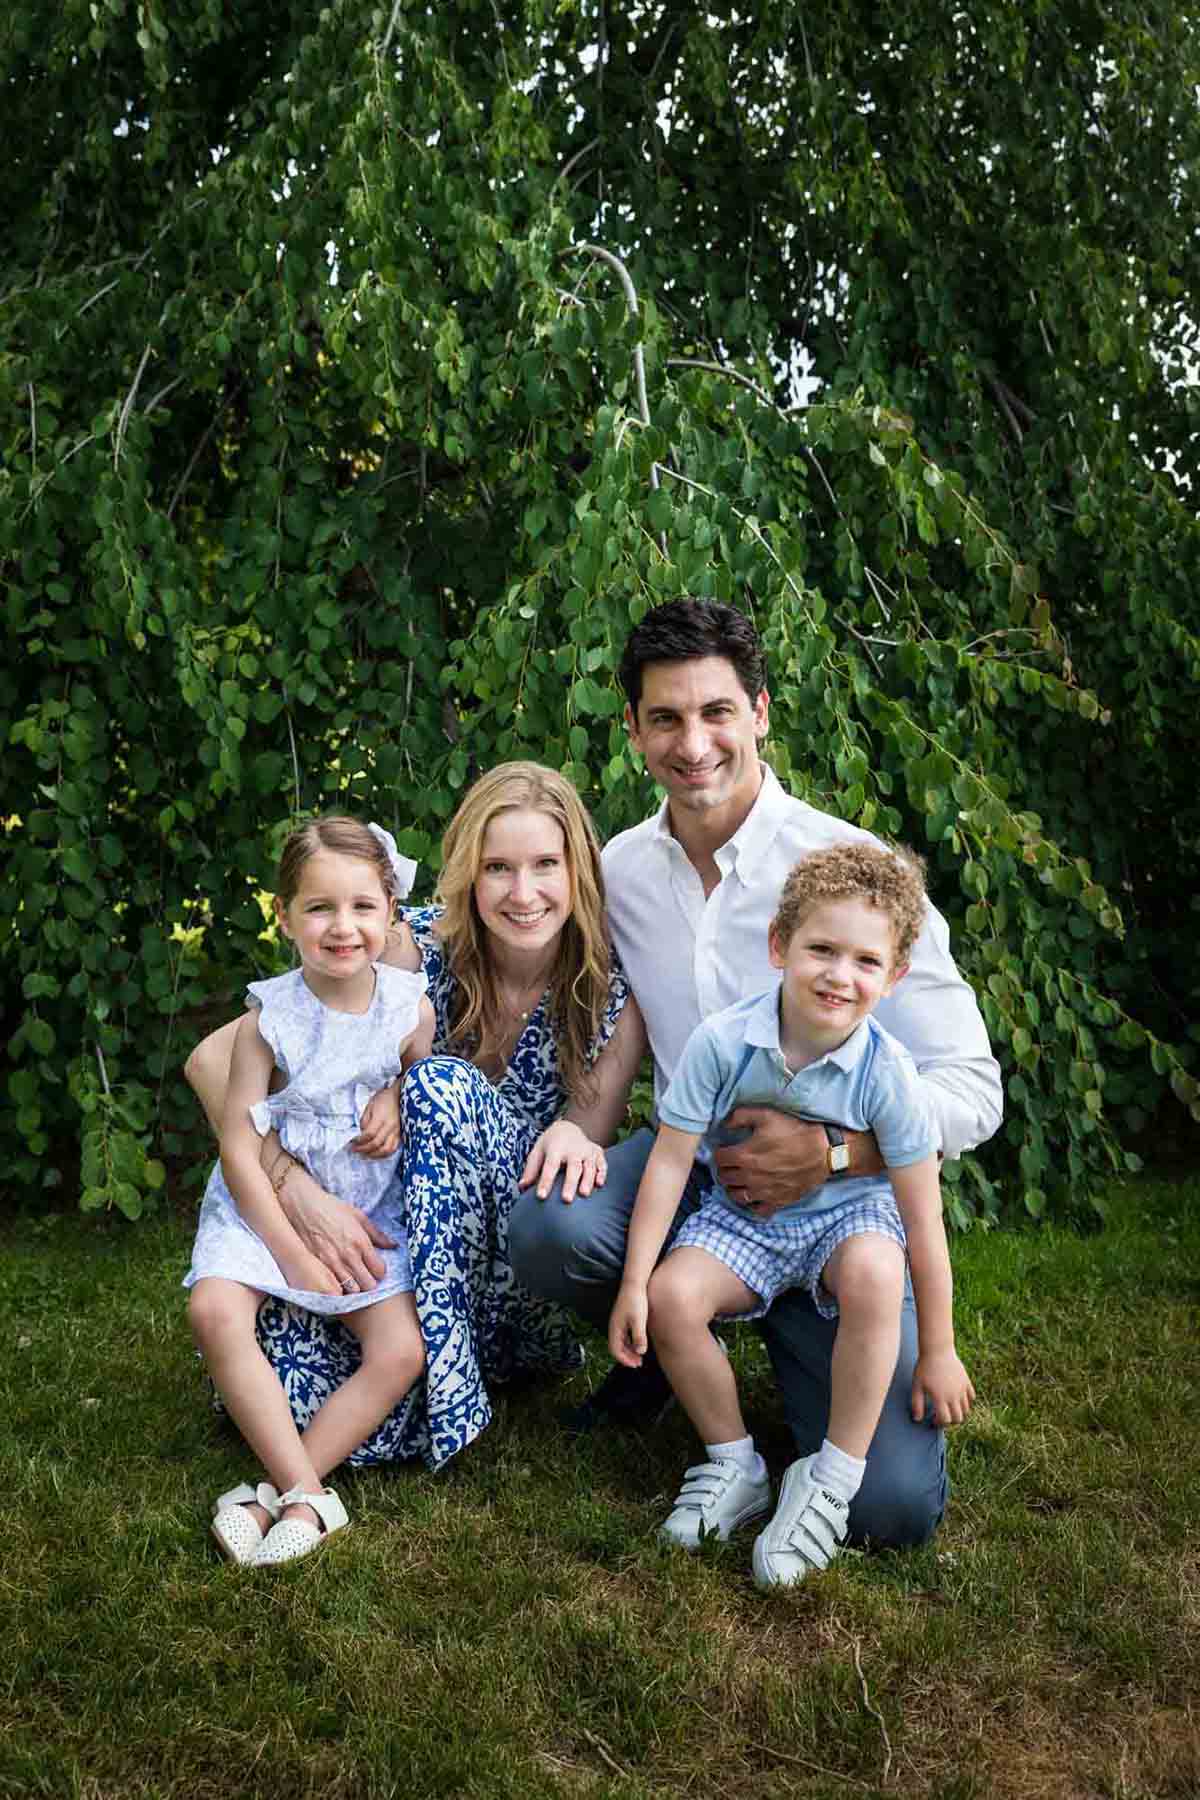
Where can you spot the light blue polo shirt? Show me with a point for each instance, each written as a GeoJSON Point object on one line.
{"type": "Point", "coordinates": [868, 1083]}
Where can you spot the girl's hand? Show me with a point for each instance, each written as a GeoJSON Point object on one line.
{"type": "Point", "coordinates": [308, 1273]}
{"type": "Point", "coordinates": [380, 1133]}
{"type": "Point", "coordinates": [627, 1326]}
{"type": "Point", "coordinates": [563, 1146]}
{"type": "Point", "coordinates": [941, 1378]}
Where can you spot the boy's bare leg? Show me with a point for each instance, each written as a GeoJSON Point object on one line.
{"type": "Point", "coordinates": [393, 1356]}
{"type": "Point", "coordinates": [686, 1292]}
{"type": "Point", "coordinates": [866, 1277]}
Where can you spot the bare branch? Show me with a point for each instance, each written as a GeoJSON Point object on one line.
{"type": "Point", "coordinates": [565, 171]}
{"type": "Point", "coordinates": [1006, 409]}
{"type": "Point", "coordinates": [392, 23]}
{"type": "Point", "coordinates": [123, 421]}
{"type": "Point", "coordinates": [716, 368]}
{"type": "Point", "coordinates": [866, 642]}
{"type": "Point", "coordinates": [161, 395]}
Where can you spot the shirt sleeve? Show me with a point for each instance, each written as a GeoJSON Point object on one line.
{"type": "Point", "coordinates": [692, 1094]}
{"type": "Point", "coordinates": [934, 1013]}
{"type": "Point", "coordinates": [900, 1113]}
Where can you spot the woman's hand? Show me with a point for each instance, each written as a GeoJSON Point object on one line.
{"type": "Point", "coordinates": [380, 1132]}
{"type": "Point", "coordinates": [563, 1146]}
{"type": "Point", "coordinates": [308, 1274]}
{"type": "Point", "coordinates": [339, 1236]}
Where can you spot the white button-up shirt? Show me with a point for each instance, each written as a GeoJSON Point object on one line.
{"type": "Point", "coordinates": [687, 956]}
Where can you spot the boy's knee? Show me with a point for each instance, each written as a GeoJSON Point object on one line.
{"type": "Point", "coordinates": [673, 1299]}
{"type": "Point", "coordinates": [867, 1275]}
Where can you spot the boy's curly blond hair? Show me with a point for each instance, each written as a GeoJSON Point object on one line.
{"type": "Point", "coordinates": [893, 879]}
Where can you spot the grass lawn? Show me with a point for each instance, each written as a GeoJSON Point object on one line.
{"type": "Point", "coordinates": [511, 1628]}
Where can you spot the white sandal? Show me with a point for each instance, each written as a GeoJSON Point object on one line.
{"type": "Point", "coordinates": [291, 1538]}
{"type": "Point", "coordinates": [237, 1532]}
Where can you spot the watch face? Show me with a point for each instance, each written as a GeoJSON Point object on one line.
{"type": "Point", "coordinates": [839, 1158]}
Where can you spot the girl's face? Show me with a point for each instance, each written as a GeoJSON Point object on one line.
{"type": "Point", "coordinates": [337, 918]}
{"type": "Point", "coordinates": [523, 887]}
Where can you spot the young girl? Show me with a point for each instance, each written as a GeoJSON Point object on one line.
{"type": "Point", "coordinates": [339, 1028]}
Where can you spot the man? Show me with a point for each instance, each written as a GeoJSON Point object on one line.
{"type": "Point", "coordinates": [691, 893]}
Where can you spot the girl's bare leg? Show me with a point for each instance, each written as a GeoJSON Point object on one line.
{"type": "Point", "coordinates": [222, 1315]}
{"type": "Point", "coordinates": [866, 1276]}
{"type": "Point", "coordinates": [393, 1357]}
{"type": "Point", "coordinates": [687, 1291]}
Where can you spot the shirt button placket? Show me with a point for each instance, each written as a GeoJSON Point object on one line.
{"type": "Point", "coordinates": [708, 968]}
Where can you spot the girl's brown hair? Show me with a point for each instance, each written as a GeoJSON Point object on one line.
{"type": "Point", "coordinates": [579, 981]}
{"type": "Point", "coordinates": [342, 836]}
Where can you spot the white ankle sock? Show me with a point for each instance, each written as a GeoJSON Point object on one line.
{"type": "Point", "coordinates": [841, 1474]}
{"type": "Point", "coordinates": [742, 1452]}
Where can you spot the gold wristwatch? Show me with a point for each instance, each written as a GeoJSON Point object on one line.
{"type": "Point", "coordinates": [839, 1151]}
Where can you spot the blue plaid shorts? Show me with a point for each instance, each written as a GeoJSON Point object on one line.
{"type": "Point", "coordinates": [770, 1255]}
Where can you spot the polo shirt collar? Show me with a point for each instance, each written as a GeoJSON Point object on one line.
{"type": "Point", "coordinates": [762, 1033]}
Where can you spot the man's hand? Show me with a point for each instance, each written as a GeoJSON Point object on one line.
{"type": "Point", "coordinates": [337, 1235]}
{"type": "Point", "coordinates": [627, 1326]}
{"type": "Point", "coordinates": [380, 1134]}
{"type": "Point", "coordinates": [782, 1160]}
{"type": "Point", "coordinates": [563, 1146]}
{"type": "Point", "coordinates": [941, 1378]}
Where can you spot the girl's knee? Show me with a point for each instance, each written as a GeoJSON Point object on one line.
{"type": "Point", "coordinates": [215, 1309]}
{"type": "Point", "coordinates": [397, 1362]}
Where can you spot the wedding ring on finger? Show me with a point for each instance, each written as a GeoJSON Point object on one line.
{"type": "Point", "coordinates": [349, 1286]}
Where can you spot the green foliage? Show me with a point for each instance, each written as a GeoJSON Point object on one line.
{"type": "Point", "coordinates": [328, 480]}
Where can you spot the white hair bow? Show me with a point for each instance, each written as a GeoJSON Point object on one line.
{"type": "Point", "coordinates": [404, 869]}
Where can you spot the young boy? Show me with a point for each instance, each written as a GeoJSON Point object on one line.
{"type": "Point", "coordinates": [846, 923]}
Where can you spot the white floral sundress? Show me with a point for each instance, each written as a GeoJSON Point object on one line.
{"type": "Point", "coordinates": [333, 1062]}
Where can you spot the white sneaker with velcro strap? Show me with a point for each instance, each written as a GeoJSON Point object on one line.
{"type": "Point", "coordinates": [808, 1530]}
{"type": "Point", "coordinates": [716, 1497]}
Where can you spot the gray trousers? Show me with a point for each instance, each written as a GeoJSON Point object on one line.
{"type": "Point", "coordinates": [575, 1254]}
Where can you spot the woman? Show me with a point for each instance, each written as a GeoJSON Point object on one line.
{"type": "Point", "coordinates": [536, 1044]}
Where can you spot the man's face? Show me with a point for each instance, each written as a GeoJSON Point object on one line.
{"type": "Point", "coordinates": [699, 734]}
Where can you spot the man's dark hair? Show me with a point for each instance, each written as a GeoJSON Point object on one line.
{"type": "Point", "coordinates": [684, 630]}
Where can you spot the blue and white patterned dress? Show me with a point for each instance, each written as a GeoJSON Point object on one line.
{"type": "Point", "coordinates": [465, 1143]}
{"type": "Point", "coordinates": [333, 1062]}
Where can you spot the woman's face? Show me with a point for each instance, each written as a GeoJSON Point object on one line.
{"type": "Point", "coordinates": [523, 888]}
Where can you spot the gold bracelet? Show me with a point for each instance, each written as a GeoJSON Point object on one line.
{"type": "Point", "coordinates": [274, 1177]}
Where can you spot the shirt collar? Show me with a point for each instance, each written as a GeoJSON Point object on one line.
{"type": "Point", "coordinates": [762, 1033]}
{"type": "Point", "coordinates": [752, 836]}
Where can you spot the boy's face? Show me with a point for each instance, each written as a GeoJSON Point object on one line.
{"type": "Point", "coordinates": [838, 964]}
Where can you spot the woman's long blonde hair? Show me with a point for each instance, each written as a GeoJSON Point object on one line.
{"type": "Point", "coordinates": [579, 981]}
